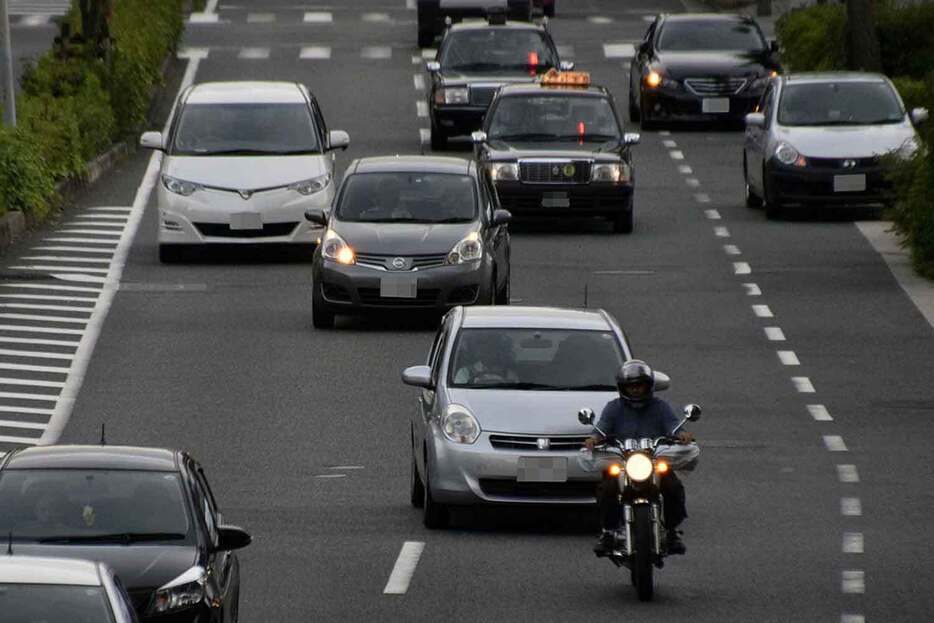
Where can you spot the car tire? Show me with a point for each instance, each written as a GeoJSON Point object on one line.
{"type": "Point", "coordinates": [503, 294]}
{"type": "Point", "coordinates": [634, 115]}
{"type": "Point", "coordinates": [417, 488]}
{"type": "Point", "coordinates": [753, 200]}
{"type": "Point", "coordinates": [170, 253]}
{"type": "Point", "coordinates": [624, 221]}
{"type": "Point", "coordinates": [435, 516]}
{"type": "Point", "coordinates": [439, 140]}
{"type": "Point", "coordinates": [773, 207]}
{"type": "Point", "coordinates": [321, 317]}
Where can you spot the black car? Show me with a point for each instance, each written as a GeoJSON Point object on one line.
{"type": "Point", "coordinates": [699, 67]}
{"type": "Point", "coordinates": [477, 58]}
{"type": "Point", "coordinates": [146, 512]}
{"type": "Point", "coordinates": [432, 14]}
{"type": "Point", "coordinates": [410, 232]}
{"type": "Point", "coordinates": [559, 151]}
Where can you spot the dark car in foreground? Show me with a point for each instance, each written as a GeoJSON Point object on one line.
{"type": "Point", "coordinates": [432, 14]}
{"type": "Point", "coordinates": [148, 513]}
{"type": "Point", "coordinates": [699, 67]}
{"type": "Point", "coordinates": [410, 232]}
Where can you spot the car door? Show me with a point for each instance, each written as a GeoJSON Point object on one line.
{"type": "Point", "coordinates": [219, 564]}
{"type": "Point", "coordinates": [495, 237]}
{"type": "Point", "coordinates": [427, 397]}
{"type": "Point", "coordinates": [756, 141]}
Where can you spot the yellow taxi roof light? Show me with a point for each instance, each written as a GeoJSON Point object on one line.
{"type": "Point", "coordinates": [566, 78]}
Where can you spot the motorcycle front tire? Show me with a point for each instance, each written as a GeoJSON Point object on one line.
{"type": "Point", "coordinates": [642, 555]}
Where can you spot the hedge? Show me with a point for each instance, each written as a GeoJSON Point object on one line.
{"type": "Point", "coordinates": [74, 103]}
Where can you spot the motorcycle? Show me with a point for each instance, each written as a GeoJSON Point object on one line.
{"type": "Point", "coordinates": [638, 465]}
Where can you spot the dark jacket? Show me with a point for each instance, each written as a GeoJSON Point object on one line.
{"type": "Point", "coordinates": [623, 421]}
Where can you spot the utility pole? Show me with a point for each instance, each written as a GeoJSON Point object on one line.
{"type": "Point", "coordinates": [862, 40]}
{"type": "Point", "coordinates": [6, 68]}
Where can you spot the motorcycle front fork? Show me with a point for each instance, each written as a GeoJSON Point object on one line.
{"type": "Point", "coordinates": [656, 528]}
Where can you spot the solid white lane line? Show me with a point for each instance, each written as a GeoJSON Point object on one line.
{"type": "Point", "coordinates": [36, 354]}
{"type": "Point", "coordinates": [803, 384]}
{"type": "Point", "coordinates": [315, 52]}
{"type": "Point", "coordinates": [402, 571]}
{"type": "Point", "coordinates": [376, 52]}
{"type": "Point", "coordinates": [702, 198]}
{"type": "Point", "coordinates": [38, 286]}
{"type": "Point", "coordinates": [424, 135]}
{"type": "Point", "coordinates": [619, 50]}
{"type": "Point", "coordinates": [63, 258]}
{"type": "Point", "coordinates": [774, 334]}
{"type": "Point", "coordinates": [820, 413]}
{"type": "Point", "coordinates": [419, 81]}
{"type": "Point", "coordinates": [27, 368]}
{"type": "Point", "coordinates": [788, 358]}
{"type": "Point", "coordinates": [421, 108]}
{"type": "Point", "coordinates": [20, 328]}
{"type": "Point", "coordinates": [834, 443]}
{"type": "Point", "coordinates": [847, 474]}
{"type": "Point", "coordinates": [28, 410]}
{"type": "Point", "coordinates": [50, 297]}
{"type": "Point", "coordinates": [676, 155]}
{"type": "Point", "coordinates": [70, 249]}
{"type": "Point", "coordinates": [685, 169]}
{"type": "Point", "coordinates": [853, 543]}
{"type": "Point", "coordinates": [37, 318]}
{"type": "Point", "coordinates": [47, 307]}
{"type": "Point", "coordinates": [741, 268]}
{"type": "Point", "coordinates": [853, 581]}
{"type": "Point", "coordinates": [318, 17]}
{"type": "Point", "coordinates": [762, 311]}
{"type": "Point", "coordinates": [851, 507]}
{"type": "Point", "coordinates": [254, 54]}
{"type": "Point", "coordinates": [752, 289]}
{"type": "Point", "coordinates": [721, 232]}
{"type": "Point", "coordinates": [23, 425]}
{"type": "Point", "coordinates": [713, 215]}
{"type": "Point", "coordinates": [31, 383]}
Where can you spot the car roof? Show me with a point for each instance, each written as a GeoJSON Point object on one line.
{"type": "Point", "coordinates": [94, 457]}
{"type": "Point", "coordinates": [56, 571]}
{"type": "Point", "coordinates": [482, 24]}
{"type": "Point", "coordinates": [246, 92]}
{"type": "Point", "coordinates": [534, 88]}
{"type": "Point", "coordinates": [817, 77]}
{"type": "Point", "coordinates": [514, 316]}
{"type": "Point", "coordinates": [706, 17]}
{"type": "Point", "coordinates": [413, 164]}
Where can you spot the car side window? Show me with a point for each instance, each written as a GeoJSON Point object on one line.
{"type": "Point", "coordinates": [204, 503]}
{"type": "Point", "coordinates": [319, 121]}
{"type": "Point", "coordinates": [486, 199]}
{"type": "Point", "coordinates": [765, 104]}
{"type": "Point", "coordinates": [439, 354]}
{"type": "Point", "coordinates": [434, 346]}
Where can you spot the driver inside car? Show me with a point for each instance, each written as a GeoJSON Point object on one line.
{"type": "Point", "coordinates": [486, 359]}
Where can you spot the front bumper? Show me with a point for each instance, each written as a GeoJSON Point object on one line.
{"type": "Point", "coordinates": [594, 199]}
{"type": "Point", "coordinates": [680, 104]}
{"type": "Point", "coordinates": [456, 120]}
{"type": "Point", "coordinates": [788, 185]}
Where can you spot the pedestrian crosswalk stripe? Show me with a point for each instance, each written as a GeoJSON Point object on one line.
{"type": "Point", "coordinates": [619, 50]}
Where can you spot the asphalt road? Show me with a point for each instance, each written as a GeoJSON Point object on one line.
{"type": "Point", "coordinates": [793, 516]}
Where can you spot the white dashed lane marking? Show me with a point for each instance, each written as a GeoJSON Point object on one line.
{"type": "Point", "coordinates": [702, 198]}
{"type": "Point", "coordinates": [847, 474]}
{"type": "Point", "coordinates": [731, 249]}
{"type": "Point", "coordinates": [419, 81]}
{"type": "Point", "coordinates": [255, 54]}
{"type": "Point", "coordinates": [820, 413]}
{"type": "Point", "coordinates": [685, 169]}
{"type": "Point", "coordinates": [853, 582]}
{"type": "Point", "coordinates": [774, 334]}
{"type": "Point", "coordinates": [261, 18]}
{"type": "Point", "coordinates": [741, 268]}
{"type": "Point", "coordinates": [752, 289]}
{"type": "Point", "coordinates": [676, 155]}
{"type": "Point", "coordinates": [851, 507]}
{"type": "Point", "coordinates": [852, 618]}
{"type": "Point", "coordinates": [834, 443]}
{"type": "Point", "coordinates": [619, 50]}
{"type": "Point", "coordinates": [421, 108]}
{"type": "Point", "coordinates": [762, 311]}
{"type": "Point", "coordinates": [852, 543]}
{"type": "Point", "coordinates": [318, 17]}
{"type": "Point", "coordinates": [376, 52]}
{"type": "Point", "coordinates": [721, 232]}
{"type": "Point", "coordinates": [788, 358]}
{"type": "Point", "coordinates": [713, 215]}
{"type": "Point", "coordinates": [315, 52]}
{"type": "Point", "coordinates": [404, 569]}
{"type": "Point", "coordinates": [803, 384]}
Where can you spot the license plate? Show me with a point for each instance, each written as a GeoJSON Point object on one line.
{"type": "Point", "coordinates": [542, 469]}
{"type": "Point", "coordinates": [715, 104]}
{"type": "Point", "coordinates": [398, 287]}
{"type": "Point", "coordinates": [246, 220]}
{"type": "Point", "coordinates": [849, 183]}
{"type": "Point", "coordinates": [555, 200]}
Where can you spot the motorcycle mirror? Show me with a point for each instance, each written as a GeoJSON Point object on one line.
{"type": "Point", "coordinates": [585, 416]}
{"type": "Point", "coordinates": [692, 413]}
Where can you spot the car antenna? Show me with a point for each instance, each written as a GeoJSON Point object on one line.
{"type": "Point", "coordinates": [103, 433]}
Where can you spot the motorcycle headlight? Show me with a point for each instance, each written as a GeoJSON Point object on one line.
{"type": "Point", "coordinates": [333, 247]}
{"type": "Point", "coordinates": [459, 425]}
{"type": "Point", "coordinates": [311, 186]}
{"type": "Point", "coordinates": [504, 171]}
{"type": "Point", "coordinates": [639, 467]}
{"type": "Point", "coordinates": [452, 95]}
{"type": "Point", "coordinates": [179, 187]}
{"type": "Point", "coordinates": [470, 249]}
{"type": "Point", "coordinates": [614, 173]}
{"type": "Point", "coordinates": [788, 155]}
{"type": "Point", "coordinates": [185, 591]}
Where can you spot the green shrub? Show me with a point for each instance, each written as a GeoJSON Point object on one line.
{"type": "Point", "coordinates": [26, 183]}
{"type": "Point", "coordinates": [906, 39]}
{"type": "Point", "coordinates": [53, 126]}
{"type": "Point", "coordinates": [813, 38]}
{"type": "Point", "coordinates": [914, 92]}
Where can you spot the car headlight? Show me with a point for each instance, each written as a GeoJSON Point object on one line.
{"type": "Point", "coordinates": [656, 78]}
{"type": "Point", "coordinates": [185, 591]}
{"type": "Point", "coordinates": [452, 95]}
{"type": "Point", "coordinates": [333, 247]}
{"type": "Point", "coordinates": [311, 186]}
{"type": "Point", "coordinates": [459, 425]}
{"type": "Point", "coordinates": [788, 155]}
{"type": "Point", "coordinates": [179, 187]}
{"type": "Point", "coordinates": [639, 467]}
{"type": "Point", "coordinates": [614, 172]}
{"type": "Point", "coordinates": [470, 249]}
{"type": "Point", "coordinates": [504, 171]}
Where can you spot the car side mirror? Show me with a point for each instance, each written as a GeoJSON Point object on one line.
{"type": "Point", "coordinates": [433, 66]}
{"type": "Point", "coordinates": [585, 416]}
{"type": "Point", "coordinates": [755, 120]}
{"type": "Point", "coordinates": [316, 216]}
{"type": "Point", "coordinates": [418, 376]}
{"type": "Point", "coordinates": [692, 413]}
{"type": "Point", "coordinates": [478, 137]}
{"type": "Point", "coordinates": [662, 382]}
{"type": "Point", "coordinates": [919, 115]}
{"type": "Point", "coordinates": [501, 217]}
{"type": "Point", "coordinates": [152, 140]}
{"type": "Point", "coordinates": [338, 139]}
{"type": "Point", "coordinates": [230, 538]}
{"type": "Point", "coordinates": [632, 138]}
{"type": "Point", "coordinates": [566, 65]}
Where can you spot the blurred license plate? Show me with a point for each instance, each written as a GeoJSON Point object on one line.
{"type": "Point", "coordinates": [542, 469]}
{"type": "Point", "coordinates": [398, 287]}
{"type": "Point", "coordinates": [849, 183]}
{"type": "Point", "coordinates": [246, 220]}
{"type": "Point", "coordinates": [715, 104]}
{"type": "Point", "coordinates": [555, 200]}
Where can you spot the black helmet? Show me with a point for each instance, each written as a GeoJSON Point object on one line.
{"type": "Point", "coordinates": [635, 372]}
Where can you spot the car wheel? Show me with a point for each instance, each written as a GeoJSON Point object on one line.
{"type": "Point", "coordinates": [752, 199]}
{"type": "Point", "coordinates": [624, 221]}
{"type": "Point", "coordinates": [417, 489]}
{"type": "Point", "coordinates": [321, 317]}
{"type": "Point", "coordinates": [633, 110]}
{"type": "Point", "coordinates": [439, 140]}
{"type": "Point", "coordinates": [503, 294]}
{"type": "Point", "coordinates": [773, 206]}
{"type": "Point", "coordinates": [170, 253]}
{"type": "Point", "coordinates": [435, 516]}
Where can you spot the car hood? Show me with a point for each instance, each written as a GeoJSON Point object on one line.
{"type": "Point", "coordinates": [861, 141]}
{"type": "Point", "coordinates": [487, 78]}
{"type": "Point", "coordinates": [530, 412]}
{"type": "Point", "coordinates": [245, 172]}
{"type": "Point", "coordinates": [138, 566]}
{"type": "Point", "coordinates": [403, 238]}
{"type": "Point", "coordinates": [680, 65]}
{"type": "Point", "coordinates": [502, 150]}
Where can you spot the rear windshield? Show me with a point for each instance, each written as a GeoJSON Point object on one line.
{"type": "Point", "coordinates": [38, 603]}
{"type": "Point", "coordinates": [245, 130]}
{"type": "Point", "coordinates": [839, 103]}
{"type": "Point", "coordinates": [708, 36]}
{"type": "Point", "coordinates": [408, 198]}
{"type": "Point", "coordinates": [553, 117]}
{"type": "Point", "coordinates": [497, 49]}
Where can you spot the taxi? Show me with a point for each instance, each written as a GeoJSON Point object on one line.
{"type": "Point", "coordinates": [556, 148]}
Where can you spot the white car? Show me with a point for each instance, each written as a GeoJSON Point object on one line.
{"type": "Point", "coordinates": [243, 161]}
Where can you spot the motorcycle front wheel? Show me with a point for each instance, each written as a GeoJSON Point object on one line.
{"type": "Point", "coordinates": [642, 554]}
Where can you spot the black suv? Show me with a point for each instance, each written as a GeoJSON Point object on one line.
{"type": "Point", "coordinates": [433, 13]}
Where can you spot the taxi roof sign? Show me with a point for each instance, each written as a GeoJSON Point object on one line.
{"type": "Point", "coordinates": [555, 78]}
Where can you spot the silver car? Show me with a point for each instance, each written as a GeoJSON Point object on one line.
{"type": "Point", "coordinates": [818, 138]}
{"type": "Point", "coordinates": [496, 419]}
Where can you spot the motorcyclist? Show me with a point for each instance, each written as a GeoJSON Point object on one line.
{"type": "Point", "coordinates": [636, 414]}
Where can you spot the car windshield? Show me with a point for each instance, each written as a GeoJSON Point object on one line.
{"type": "Point", "coordinates": [496, 50]}
{"type": "Point", "coordinates": [37, 603]}
{"type": "Point", "coordinates": [245, 130]}
{"type": "Point", "coordinates": [408, 198]}
{"type": "Point", "coordinates": [839, 103]}
{"type": "Point", "coordinates": [553, 118]}
{"type": "Point", "coordinates": [70, 505]}
{"type": "Point", "coordinates": [535, 359]}
{"type": "Point", "coordinates": [710, 36]}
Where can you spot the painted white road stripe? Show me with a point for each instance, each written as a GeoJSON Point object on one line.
{"type": "Point", "coordinates": [69, 249]}
{"type": "Point", "coordinates": [375, 17]}
{"type": "Point", "coordinates": [36, 354]}
{"type": "Point", "coordinates": [429, 54]}
{"type": "Point", "coordinates": [38, 318]}
{"type": "Point", "coordinates": [106, 217]}
{"type": "Point", "coordinates": [669, 144]}
{"type": "Point", "coordinates": [419, 81]}
{"type": "Point", "coordinates": [97, 241]}
{"type": "Point", "coordinates": [762, 311]}
{"type": "Point", "coordinates": [404, 568]}
{"type": "Point", "coordinates": [90, 223]}
{"type": "Point", "coordinates": [69, 308]}
{"type": "Point", "coordinates": [731, 249]}
{"type": "Point", "coordinates": [788, 358]}
{"type": "Point", "coordinates": [346, 467]}
{"type": "Point", "coordinates": [853, 543]}
{"type": "Point", "coordinates": [774, 334]}
{"type": "Point", "coordinates": [424, 135]}
{"type": "Point", "coordinates": [721, 232]}
{"type": "Point", "coordinates": [27, 410]}
{"type": "Point", "coordinates": [22, 328]}
{"type": "Point", "coordinates": [31, 383]}
{"type": "Point", "coordinates": [44, 297]}
{"type": "Point", "coordinates": [315, 52]}
{"type": "Point", "coordinates": [37, 286]}
{"type": "Point", "coordinates": [741, 268]}
{"type": "Point", "coordinates": [599, 19]}
{"type": "Point", "coordinates": [29, 441]}
{"type": "Point", "coordinates": [852, 618]}
{"type": "Point", "coordinates": [685, 169]}
{"type": "Point", "coordinates": [851, 507]}
{"type": "Point", "coordinates": [45, 268]}
{"type": "Point", "coordinates": [853, 581]}
{"type": "Point", "coordinates": [421, 108]}
{"type": "Point", "coordinates": [318, 17]}
{"type": "Point", "coordinates": [22, 425]}
{"type": "Point", "coordinates": [676, 155]}
{"type": "Point", "coordinates": [96, 232]}
{"type": "Point", "coordinates": [37, 397]}
{"type": "Point", "coordinates": [803, 384]}
{"type": "Point", "coordinates": [260, 18]}
{"type": "Point", "coordinates": [820, 413]}
{"type": "Point", "coordinates": [331, 476]}
{"type": "Point", "coordinates": [752, 289]}
{"type": "Point", "coordinates": [28, 368]}
{"type": "Point", "coordinates": [254, 54]}
{"type": "Point", "coordinates": [693, 182]}
{"type": "Point", "coordinates": [834, 443]}
{"type": "Point", "coordinates": [713, 215]}
{"type": "Point", "coordinates": [376, 52]}
{"type": "Point", "coordinates": [115, 208]}
{"type": "Point", "coordinates": [65, 258]}
{"type": "Point", "coordinates": [203, 18]}
{"type": "Point", "coordinates": [410, 4]}
{"type": "Point", "coordinates": [847, 474]}
{"type": "Point", "coordinates": [619, 50]}
{"type": "Point", "coordinates": [702, 198]}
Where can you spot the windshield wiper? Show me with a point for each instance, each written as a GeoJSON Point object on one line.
{"type": "Point", "coordinates": [120, 537]}
{"type": "Point", "coordinates": [596, 387]}
{"type": "Point", "coordinates": [510, 385]}
{"type": "Point", "coordinates": [523, 137]}
{"type": "Point", "coordinates": [250, 152]}
{"type": "Point", "coordinates": [587, 137]}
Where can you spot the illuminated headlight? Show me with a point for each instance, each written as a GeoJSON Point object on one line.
{"type": "Point", "coordinates": [614, 173]}
{"type": "Point", "coordinates": [459, 425]}
{"type": "Point", "coordinates": [504, 171]}
{"type": "Point", "coordinates": [313, 185]}
{"type": "Point", "coordinates": [639, 467]}
{"type": "Point", "coordinates": [179, 187]}
{"type": "Point", "coordinates": [334, 248]}
{"type": "Point", "coordinates": [452, 95]}
{"type": "Point", "coordinates": [788, 155]}
{"type": "Point", "coordinates": [185, 591]}
{"type": "Point", "coordinates": [470, 249]}
{"type": "Point", "coordinates": [655, 79]}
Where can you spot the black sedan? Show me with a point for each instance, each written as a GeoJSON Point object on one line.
{"type": "Point", "coordinates": [148, 513]}
{"type": "Point", "coordinates": [699, 67]}
{"type": "Point", "coordinates": [410, 232]}
{"type": "Point", "coordinates": [433, 13]}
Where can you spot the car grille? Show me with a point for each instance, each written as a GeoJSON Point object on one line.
{"type": "Point", "coordinates": [530, 442]}
{"type": "Point", "coordinates": [507, 487]}
{"type": "Point", "coordinates": [482, 96]}
{"type": "Point", "coordinates": [412, 262]}
{"type": "Point", "coordinates": [427, 297]}
{"type": "Point", "coordinates": [841, 163]}
{"type": "Point", "coordinates": [715, 86]}
{"type": "Point", "coordinates": [554, 172]}
{"type": "Point", "coordinates": [223, 230]}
